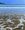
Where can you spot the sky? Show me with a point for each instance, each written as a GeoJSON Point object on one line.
{"type": "Point", "coordinates": [13, 1]}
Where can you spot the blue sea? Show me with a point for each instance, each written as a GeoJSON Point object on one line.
{"type": "Point", "coordinates": [17, 10]}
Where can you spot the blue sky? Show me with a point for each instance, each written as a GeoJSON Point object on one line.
{"type": "Point", "coordinates": [13, 1]}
